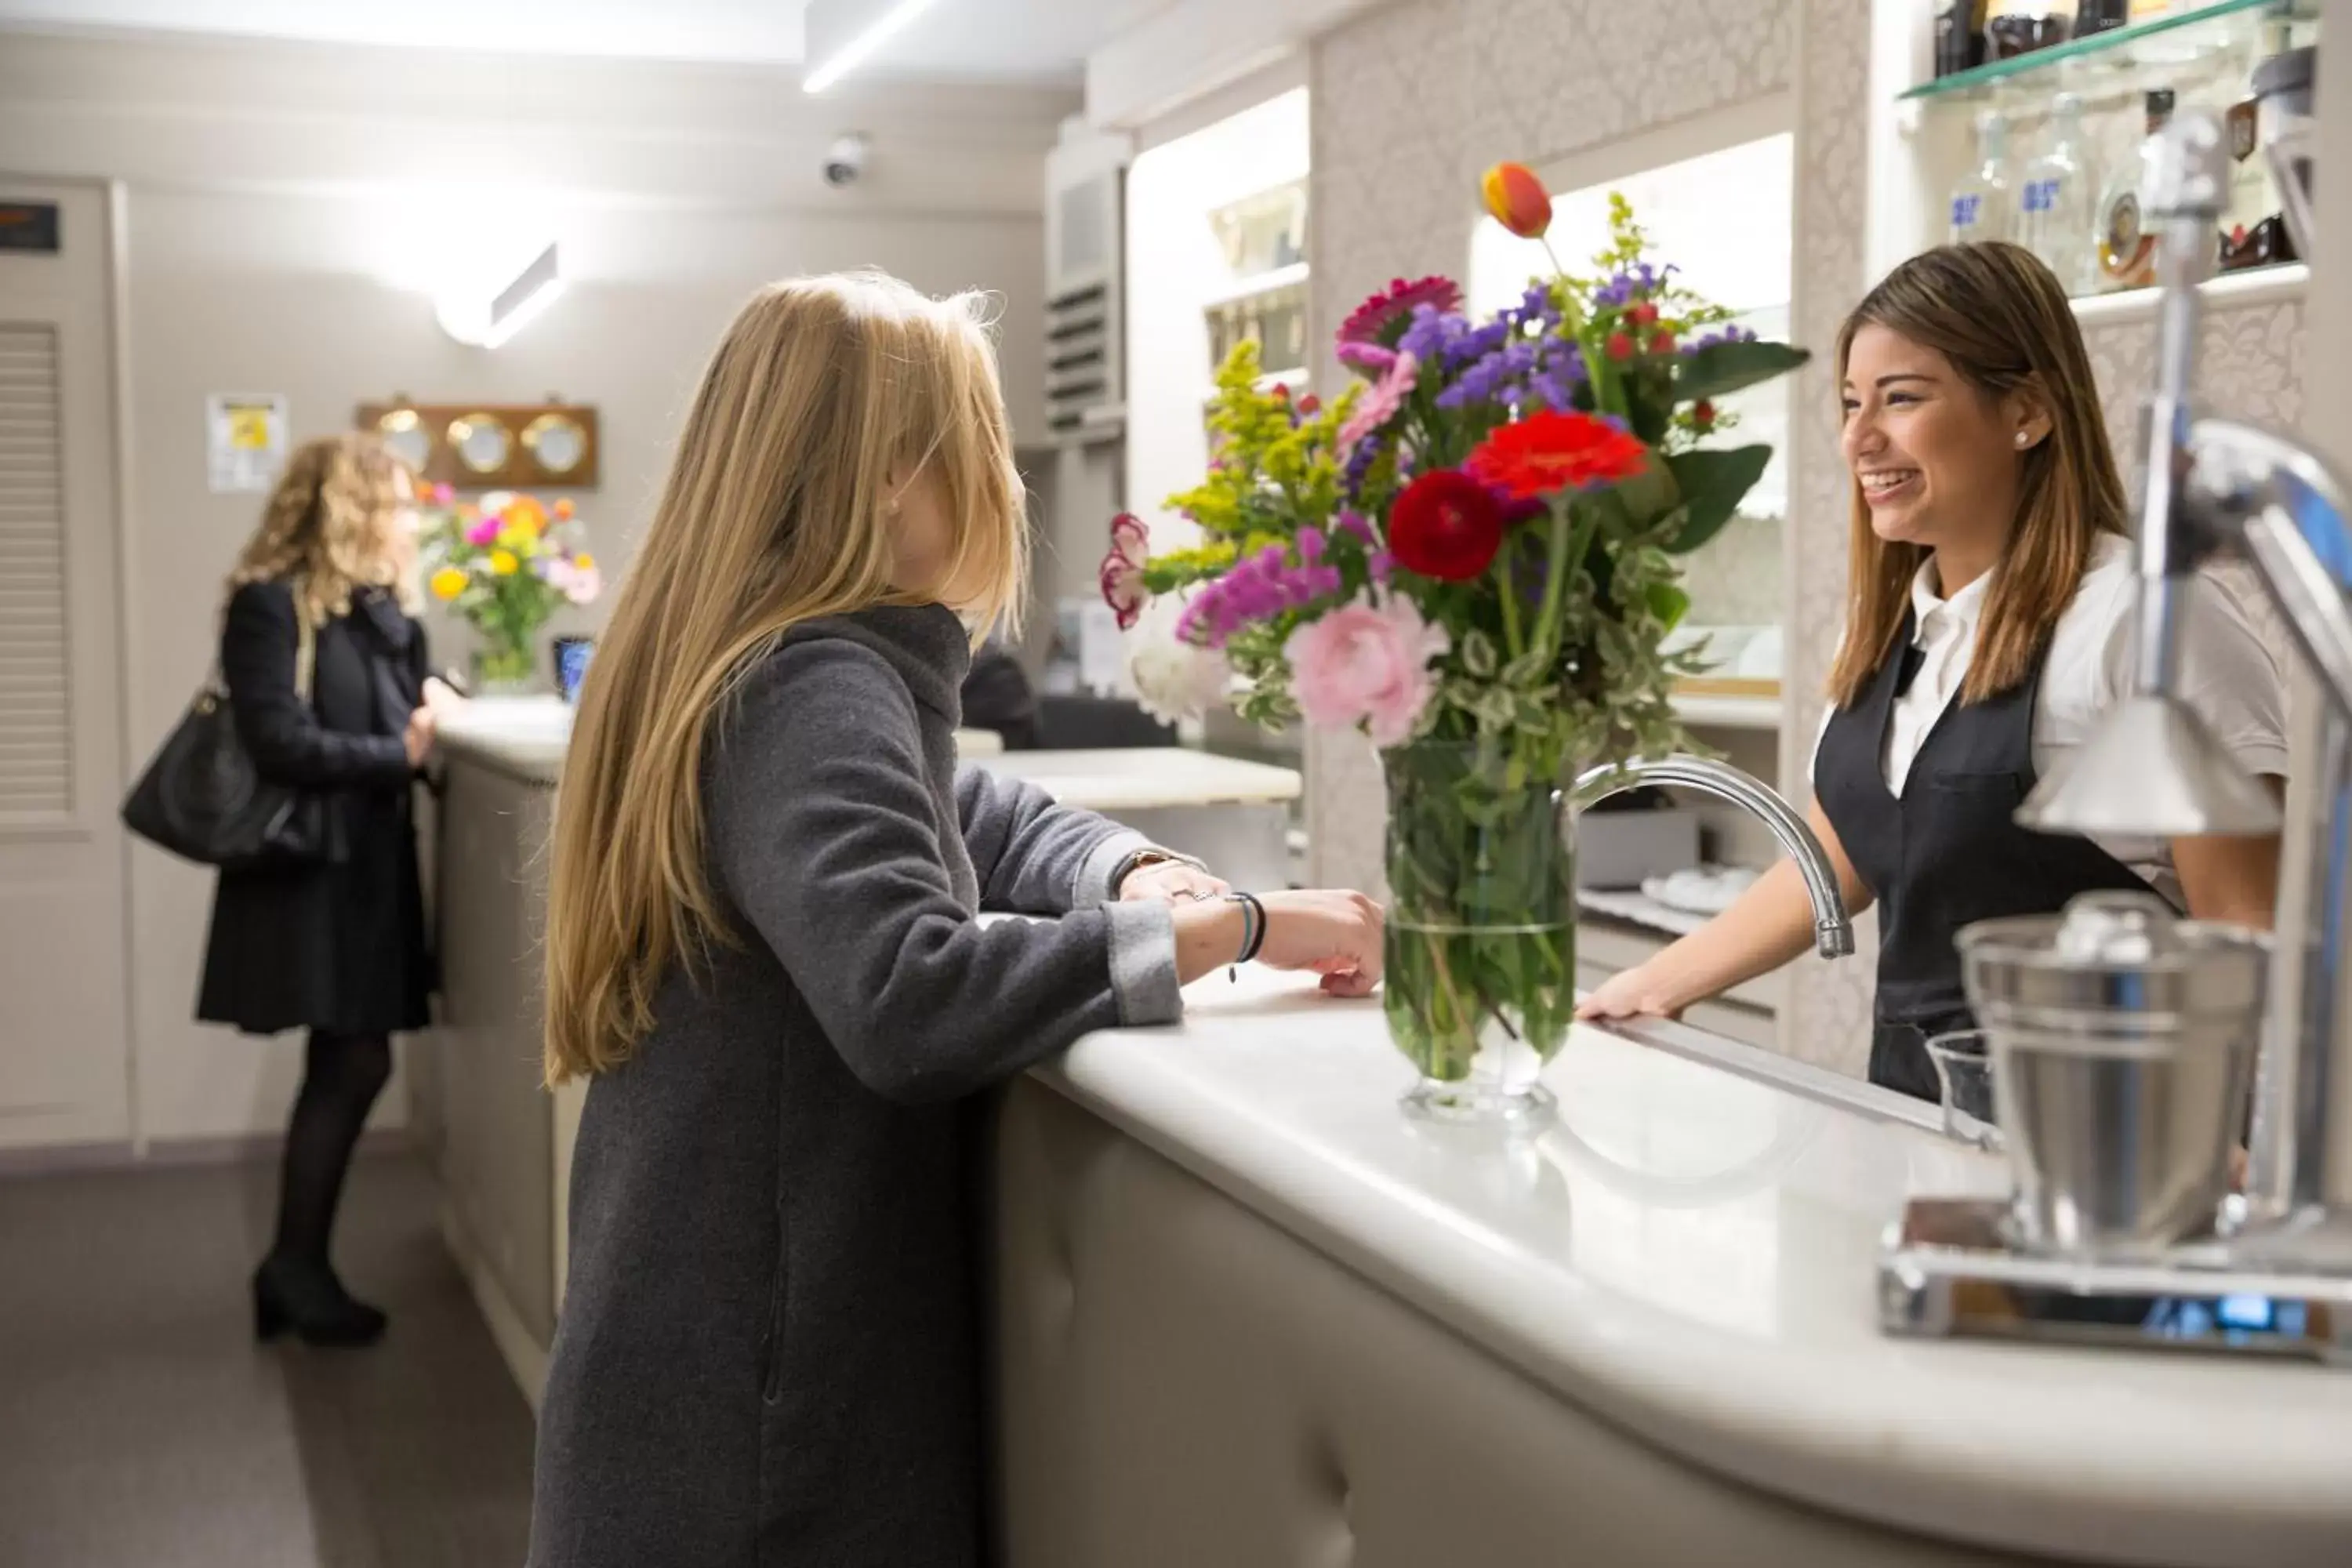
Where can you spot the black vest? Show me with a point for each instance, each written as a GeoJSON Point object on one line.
{"type": "Point", "coordinates": [1944, 854]}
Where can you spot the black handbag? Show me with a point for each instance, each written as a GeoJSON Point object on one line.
{"type": "Point", "coordinates": [203, 799]}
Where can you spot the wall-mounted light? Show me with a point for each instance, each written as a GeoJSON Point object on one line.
{"type": "Point", "coordinates": [489, 319]}
{"type": "Point", "coordinates": [855, 53]}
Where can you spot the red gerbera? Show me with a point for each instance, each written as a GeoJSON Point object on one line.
{"type": "Point", "coordinates": [1556, 451]}
{"type": "Point", "coordinates": [1446, 525]}
{"type": "Point", "coordinates": [1384, 318]}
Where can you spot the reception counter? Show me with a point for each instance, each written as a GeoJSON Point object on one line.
{"type": "Point", "coordinates": [1250, 1313]}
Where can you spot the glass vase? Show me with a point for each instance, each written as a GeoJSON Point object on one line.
{"type": "Point", "coordinates": [1481, 950]}
{"type": "Point", "coordinates": [503, 668]}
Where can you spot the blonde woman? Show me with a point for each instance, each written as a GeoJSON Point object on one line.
{"type": "Point", "coordinates": [335, 947]}
{"type": "Point", "coordinates": [762, 949]}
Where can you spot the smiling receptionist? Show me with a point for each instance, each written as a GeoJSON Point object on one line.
{"type": "Point", "coordinates": [1988, 634]}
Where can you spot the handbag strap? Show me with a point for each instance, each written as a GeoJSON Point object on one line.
{"type": "Point", "coordinates": [306, 648]}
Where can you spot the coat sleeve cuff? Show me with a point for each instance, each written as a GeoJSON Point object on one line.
{"type": "Point", "coordinates": [1101, 863]}
{"type": "Point", "coordinates": [1143, 962]}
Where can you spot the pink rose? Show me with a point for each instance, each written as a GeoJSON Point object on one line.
{"type": "Point", "coordinates": [485, 532]}
{"type": "Point", "coordinates": [585, 584]}
{"type": "Point", "coordinates": [1367, 663]}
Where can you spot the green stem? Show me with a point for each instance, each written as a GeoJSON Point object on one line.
{"type": "Point", "coordinates": [1511, 602]}
{"type": "Point", "coordinates": [1547, 627]}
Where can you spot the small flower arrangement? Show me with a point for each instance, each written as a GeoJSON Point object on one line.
{"type": "Point", "coordinates": [1472, 555]}
{"type": "Point", "coordinates": [505, 563]}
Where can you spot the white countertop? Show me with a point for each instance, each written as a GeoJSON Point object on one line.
{"type": "Point", "coordinates": [1690, 1253]}
{"type": "Point", "coordinates": [1147, 778]}
{"type": "Point", "coordinates": [526, 736]}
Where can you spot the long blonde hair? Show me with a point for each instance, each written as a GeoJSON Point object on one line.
{"type": "Point", "coordinates": [773, 515]}
{"type": "Point", "coordinates": [2002, 317]}
{"type": "Point", "coordinates": [334, 524]}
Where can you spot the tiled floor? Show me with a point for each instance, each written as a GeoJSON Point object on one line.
{"type": "Point", "coordinates": [141, 1428]}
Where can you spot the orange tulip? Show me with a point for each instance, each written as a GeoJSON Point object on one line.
{"type": "Point", "coordinates": [1517, 199]}
{"type": "Point", "coordinates": [563, 510]}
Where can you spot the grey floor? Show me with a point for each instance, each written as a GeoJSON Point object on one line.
{"type": "Point", "coordinates": [141, 1428]}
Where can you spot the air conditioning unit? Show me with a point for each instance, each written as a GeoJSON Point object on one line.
{"type": "Point", "coordinates": [1085, 205]}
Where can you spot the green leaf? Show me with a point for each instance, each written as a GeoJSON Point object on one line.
{"type": "Point", "coordinates": [1721, 368]}
{"type": "Point", "coordinates": [1669, 603]}
{"type": "Point", "coordinates": [1479, 655]}
{"type": "Point", "coordinates": [1712, 484]}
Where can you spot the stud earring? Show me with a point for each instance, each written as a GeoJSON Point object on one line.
{"type": "Point", "coordinates": [2024, 438]}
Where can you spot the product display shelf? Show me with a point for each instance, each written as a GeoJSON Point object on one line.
{"type": "Point", "coordinates": [2167, 42]}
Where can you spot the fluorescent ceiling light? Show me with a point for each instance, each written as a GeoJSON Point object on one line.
{"type": "Point", "coordinates": [470, 318]}
{"type": "Point", "coordinates": [855, 52]}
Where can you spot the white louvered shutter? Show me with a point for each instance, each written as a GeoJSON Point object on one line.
{"type": "Point", "coordinates": [36, 693]}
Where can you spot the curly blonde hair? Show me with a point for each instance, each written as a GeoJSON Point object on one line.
{"type": "Point", "coordinates": [333, 524]}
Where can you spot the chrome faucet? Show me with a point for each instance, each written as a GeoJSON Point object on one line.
{"type": "Point", "coordinates": [1833, 930]}
{"type": "Point", "coordinates": [2218, 488]}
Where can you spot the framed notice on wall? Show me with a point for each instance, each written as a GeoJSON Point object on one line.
{"type": "Point", "coordinates": [245, 440]}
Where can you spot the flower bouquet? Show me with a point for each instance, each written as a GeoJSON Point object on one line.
{"type": "Point", "coordinates": [505, 563]}
{"type": "Point", "coordinates": [1471, 554]}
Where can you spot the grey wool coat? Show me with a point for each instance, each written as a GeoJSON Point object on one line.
{"type": "Point", "coordinates": [770, 1352]}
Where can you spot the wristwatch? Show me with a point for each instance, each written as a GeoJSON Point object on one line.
{"type": "Point", "coordinates": [1137, 859]}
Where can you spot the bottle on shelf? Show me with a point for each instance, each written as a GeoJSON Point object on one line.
{"type": "Point", "coordinates": [1959, 35]}
{"type": "Point", "coordinates": [2100, 15]}
{"type": "Point", "coordinates": [1981, 206]}
{"type": "Point", "coordinates": [2127, 245]}
{"type": "Point", "coordinates": [2022, 26]}
{"type": "Point", "coordinates": [2054, 200]}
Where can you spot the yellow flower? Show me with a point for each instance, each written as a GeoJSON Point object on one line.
{"type": "Point", "coordinates": [524, 511]}
{"type": "Point", "coordinates": [448, 583]}
{"type": "Point", "coordinates": [586, 562]}
{"type": "Point", "coordinates": [504, 563]}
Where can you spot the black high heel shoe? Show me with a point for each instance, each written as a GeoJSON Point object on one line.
{"type": "Point", "coordinates": [308, 1301]}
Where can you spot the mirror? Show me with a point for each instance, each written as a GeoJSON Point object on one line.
{"type": "Point", "coordinates": [405, 434]}
{"type": "Point", "coordinates": [481, 443]}
{"type": "Point", "coordinates": [556, 441]}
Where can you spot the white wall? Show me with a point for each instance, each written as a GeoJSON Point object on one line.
{"type": "Point", "coordinates": [280, 201]}
{"type": "Point", "coordinates": [1174, 265]}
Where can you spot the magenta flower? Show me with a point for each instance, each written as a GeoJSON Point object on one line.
{"type": "Point", "coordinates": [485, 532]}
{"type": "Point", "coordinates": [1369, 664]}
{"type": "Point", "coordinates": [1381, 403]}
{"type": "Point", "coordinates": [1378, 318]}
{"type": "Point", "coordinates": [442, 495]}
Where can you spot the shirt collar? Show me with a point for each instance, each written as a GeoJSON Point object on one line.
{"type": "Point", "coordinates": [1962, 608]}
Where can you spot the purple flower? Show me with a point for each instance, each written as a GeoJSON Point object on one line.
{"type": "Point", "coordinates": [1258, 588]}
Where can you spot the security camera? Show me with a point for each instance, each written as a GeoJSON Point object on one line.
{"type": "Point", "coordinates": [845, 161]}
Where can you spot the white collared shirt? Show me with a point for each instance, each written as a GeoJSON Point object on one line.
{"type": "Point", "coordinates": [2231, 675]}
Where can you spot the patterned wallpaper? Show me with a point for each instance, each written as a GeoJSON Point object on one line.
{"type": "Point", "coordinates": [1411, 101]}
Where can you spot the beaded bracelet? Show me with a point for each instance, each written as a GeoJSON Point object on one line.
{"type": "Point", "coordinates": [1253, 931]}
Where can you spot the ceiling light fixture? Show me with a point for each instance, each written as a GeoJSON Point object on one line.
{"type": "Point", "coordinates": [855, 52]}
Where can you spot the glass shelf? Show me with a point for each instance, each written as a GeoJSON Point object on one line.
{"type": "Point", "coordinates": [2160, 41]}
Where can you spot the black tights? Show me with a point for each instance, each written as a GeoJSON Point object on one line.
{"type": "Point", "coordinates": [341, 1076]}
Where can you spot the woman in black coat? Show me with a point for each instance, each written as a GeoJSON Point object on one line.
{"type": "Point", "coordinates": [335, 946]}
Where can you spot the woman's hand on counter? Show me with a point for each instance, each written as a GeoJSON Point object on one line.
{"type": "Point", "coordinates": [417, 738]}
{"type": "Point", "coordinates": [441, 699]}
{"type": "Point", "coordinates": [1635, 993]}
{"type": "Point", "coordinates": [1332, 933]}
